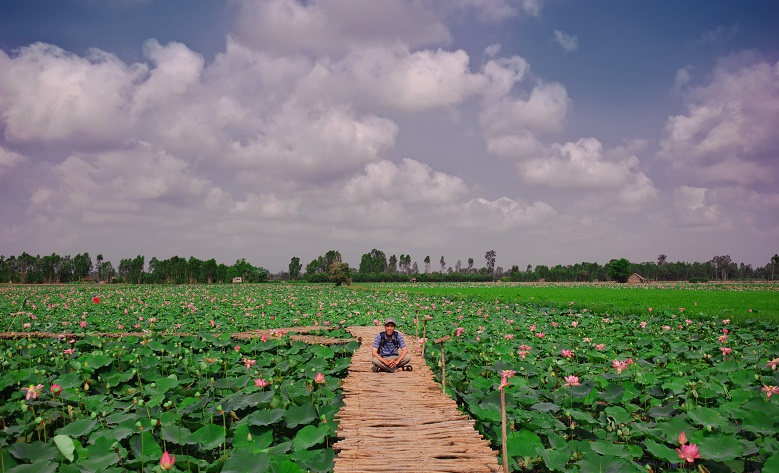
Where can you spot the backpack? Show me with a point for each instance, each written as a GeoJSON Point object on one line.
{"type": "Point", "coordinates": [383, 341]}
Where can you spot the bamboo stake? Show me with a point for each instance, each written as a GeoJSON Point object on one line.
{"type": "Point", "coordinates": [503, 429]}
{"type": "Point", "coordinates": [424, 334]}
{"type": "Point", "coordinates": [443, 363]}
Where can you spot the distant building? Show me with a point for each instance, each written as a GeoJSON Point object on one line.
{"type": "Point", "coordinates": [636, 278]}
{"type": "Point", "coordinates": [237, 279]}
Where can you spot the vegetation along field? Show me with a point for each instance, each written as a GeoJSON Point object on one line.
{"type": "Point", "coordinates": [145, 378]}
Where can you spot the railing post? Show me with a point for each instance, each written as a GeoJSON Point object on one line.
{"type": "Point", "coordinates": [443, 362]}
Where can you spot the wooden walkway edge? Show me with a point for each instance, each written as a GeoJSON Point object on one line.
{"type": "Point", "coordinates": [401, 422]}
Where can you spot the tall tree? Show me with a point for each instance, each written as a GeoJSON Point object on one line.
{"type": "Point", "coordinates": [619, 269]}
{"type": "Point", "coordinates": [427, 264]}
{"type": "Point", "coordinates": [774, 264]}
{"type": "Point", "coordinates": [443, 264]}
{"type": "Point", "coordinates": [458, 266]}
{"type": "Point", "coordinates": [490, 258]}
{"type": "Point", "coordinates": [340, 273]}
{"type": "Point", "coordinates": [393, 264]}
{"type": "Point", "coordinates": [661, 260]}
{"type": "Point", "coordinates": [470, 265]}
{"type": "Point", "coordinates": [294, 268]}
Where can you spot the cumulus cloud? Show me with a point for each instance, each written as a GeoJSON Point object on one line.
{"type": "Point", "coordinates": [727, 133]}
{"type": "Point", "coordinates": [501, 215]}
{"type": "Point", "coordinates": [497, 10]}
{"type": "Point", "coordinates": [584, 164]}
{"type": "Point", "coordinates": [49, 94]}
{"type": "Point", "coordinates": [409, 182]}
{"type": "Point", "coordinates": [335, 27]}
{"type": "Point", "coordinates": [566, 41]}
{"type": "Point", "coordinates": [9, 160]}
{"type": "Point", "coordinates": [692, 209]}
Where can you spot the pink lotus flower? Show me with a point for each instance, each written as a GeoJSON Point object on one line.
{"type": "Point", "coordinates": [726, 321]}
{"type": "Point", "coordinates": [320, 378]}
{"type": "Point", "coordinates": [96, 300]}
{"type": "Point", "coordinates": [770, 390]}
{"type": "Point", "coordinates": [508, 336]}
{"type": "Point", "coordinates": [620, 366]}
{"type": "Point", "coordinates": [540, 335]}
{"type": "Point", "coordinates": [375, 322]}
{"type": "Point", "coordinates": [666, 327]}
{"type": "Point", "coordinates": [460, 331]}
{"type": "Point", "coordinates": [554, 324]}
{"type": "Point", "coordinates": [260, 382]}
{"type": "Point", "coordinates": [249, 363]}
{"type": "Point", "coordinates": [82, 324]}
{"type": "Point", "coordinates": [682, 438]}
{"type": "Point", "coordinates": [773, 363]}
{"type": "Point", "coordinates": [505, 375]}
{"type": "Point", "coordinates": [572, 381]}
{"type": "Point", "coordinates": [567, 354]}
{"type": "Point", "coordinates": [69, 351]}
{"type": "Point", "coordinates": [533, 328]}
{"type": "Point", "coordinates": [264, 338]}
{"type": "Point", "coordinates": [524, 347]}
{"type": "Point", "coordinates": [600, 346]}
{"type": "Point", "coordinates": [722, 338]}
{"type": "Point", "coordinates": [55, 389]}
{"type": "Point", "coordinates": [33, 391]}
{"type": "Point", "coordinates": [167, 461]}
{"type": "Point", "coordinates": [642, 324]}
{"type": "Point", "coordinates": [650, 309]}
{"type": "Point", "coordinates": [574, 324]}
{"type": "Point", "coordinates": [237, 348]}
{"type": "Point", "coordinates": [725, 350]}
{"type": "Point", "coordinates": [688, 453]}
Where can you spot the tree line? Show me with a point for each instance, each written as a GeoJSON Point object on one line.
{"type": "Point", "coordinates": [28, 269]}
{"type": "Point", "coordinates": [374, 266]}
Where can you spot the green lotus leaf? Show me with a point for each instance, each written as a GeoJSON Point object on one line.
{"type": "Point", "coordinates": [309, 436]}
{"type": "Point", "coordinates": [720, 447]}
{"type": "Point", "coordinates": [40, 466]}
{"type": "Point", "coordinates": [242, 460]}
{"type": "Point", "coordinates": [209, 437]}
{"type": "Point", "coordinates": [265, 417]}
{"type": "Point", "coordinates": [34, 451]}
{"type": "Point", "coordinates": [523, 443]}
{"type": "Point", "coordinates": [300, 415]}
{"type": "Point", "coordinates": [661, 452]}
{"type": "Point", "coordinates": [78, 428]}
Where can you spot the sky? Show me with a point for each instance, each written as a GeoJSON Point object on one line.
{"type": "Point", "coordinates": [550, 131]}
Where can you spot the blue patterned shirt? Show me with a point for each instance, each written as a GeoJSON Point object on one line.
{"type": "Point", "coordinates": [389, 348]}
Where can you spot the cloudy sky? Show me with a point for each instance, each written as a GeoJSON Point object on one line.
{"type": "Point", "coordinates": [550, 131]}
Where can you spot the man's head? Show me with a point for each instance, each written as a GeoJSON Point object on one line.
{"type": "Point", "coordinates": [389, 326]}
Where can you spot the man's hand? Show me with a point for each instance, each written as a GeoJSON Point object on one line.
{"type": "Point", "coordinates": [391, 363]}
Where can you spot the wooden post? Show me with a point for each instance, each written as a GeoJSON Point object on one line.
{"type": "Point", "coordinates": [503, 429]}
{"type": "Point", "coordinates": [424, 334]}
{"type": "Point", "coordinates": [443, 363]}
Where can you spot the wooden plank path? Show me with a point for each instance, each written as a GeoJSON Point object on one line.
{"type": "Point", "coordinates": [401, 422]}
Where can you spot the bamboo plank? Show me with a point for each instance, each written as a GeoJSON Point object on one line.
{"type": "Point", "coordinates": [402, 419]}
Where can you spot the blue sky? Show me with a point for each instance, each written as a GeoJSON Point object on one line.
{"type": "Point", "coordinates": [552, 132]}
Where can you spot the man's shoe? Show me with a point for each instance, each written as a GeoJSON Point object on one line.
{"type": "Point", "coordinates": [375, 369]}
{"type": "Point", "coordinates": [407, 368]}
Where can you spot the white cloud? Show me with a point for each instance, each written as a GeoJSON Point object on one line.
{"type": "Point", "coordinates": [500, 215]}
{"type": "Point", "coordinates": [497, 10]}
{"type": "Point", "coordinates": [335, 27]}
{"type": "Point", "coordinates": [544, 110]}
{"type": "Point", "coordinates": [566, 41]}
{"type": "Point", "coordinates": [9, 160]}
{"type": "Point", "coordinates": [692, 209]}
{"type": "Point", "coordinates": [410, 182]}
{"type": "Point", "coordinates": [47, 93]}
{"type": "Point", "coordinates": [727, 133]}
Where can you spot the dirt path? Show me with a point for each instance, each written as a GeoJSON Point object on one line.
{"type": "Point", "coordinates": [401, 422]}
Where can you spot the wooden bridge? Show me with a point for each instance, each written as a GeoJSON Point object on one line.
{"type": "Point", "coordinates": [401, 422]}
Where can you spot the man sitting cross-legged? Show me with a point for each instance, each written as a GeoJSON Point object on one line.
{"type": "Point", "coordinates": [389, 350]}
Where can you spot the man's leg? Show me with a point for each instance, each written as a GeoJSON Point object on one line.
{"type": "Point", "coordinates": [406, 360]}
{"type": "Point", "coordinates": [382, 365]}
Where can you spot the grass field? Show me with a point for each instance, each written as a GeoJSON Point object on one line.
{"type": "Point", "coordinates": [736, 301]}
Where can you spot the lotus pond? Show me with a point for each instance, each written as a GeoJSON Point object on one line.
{"type": "Point", "coordinates": [591, 392]}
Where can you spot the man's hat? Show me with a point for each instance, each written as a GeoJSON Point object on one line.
{"type": "Point", "coordinates": [389, 321]}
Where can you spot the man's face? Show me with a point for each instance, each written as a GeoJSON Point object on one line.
{"type": "Point", "coordinates": [389, 328]}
